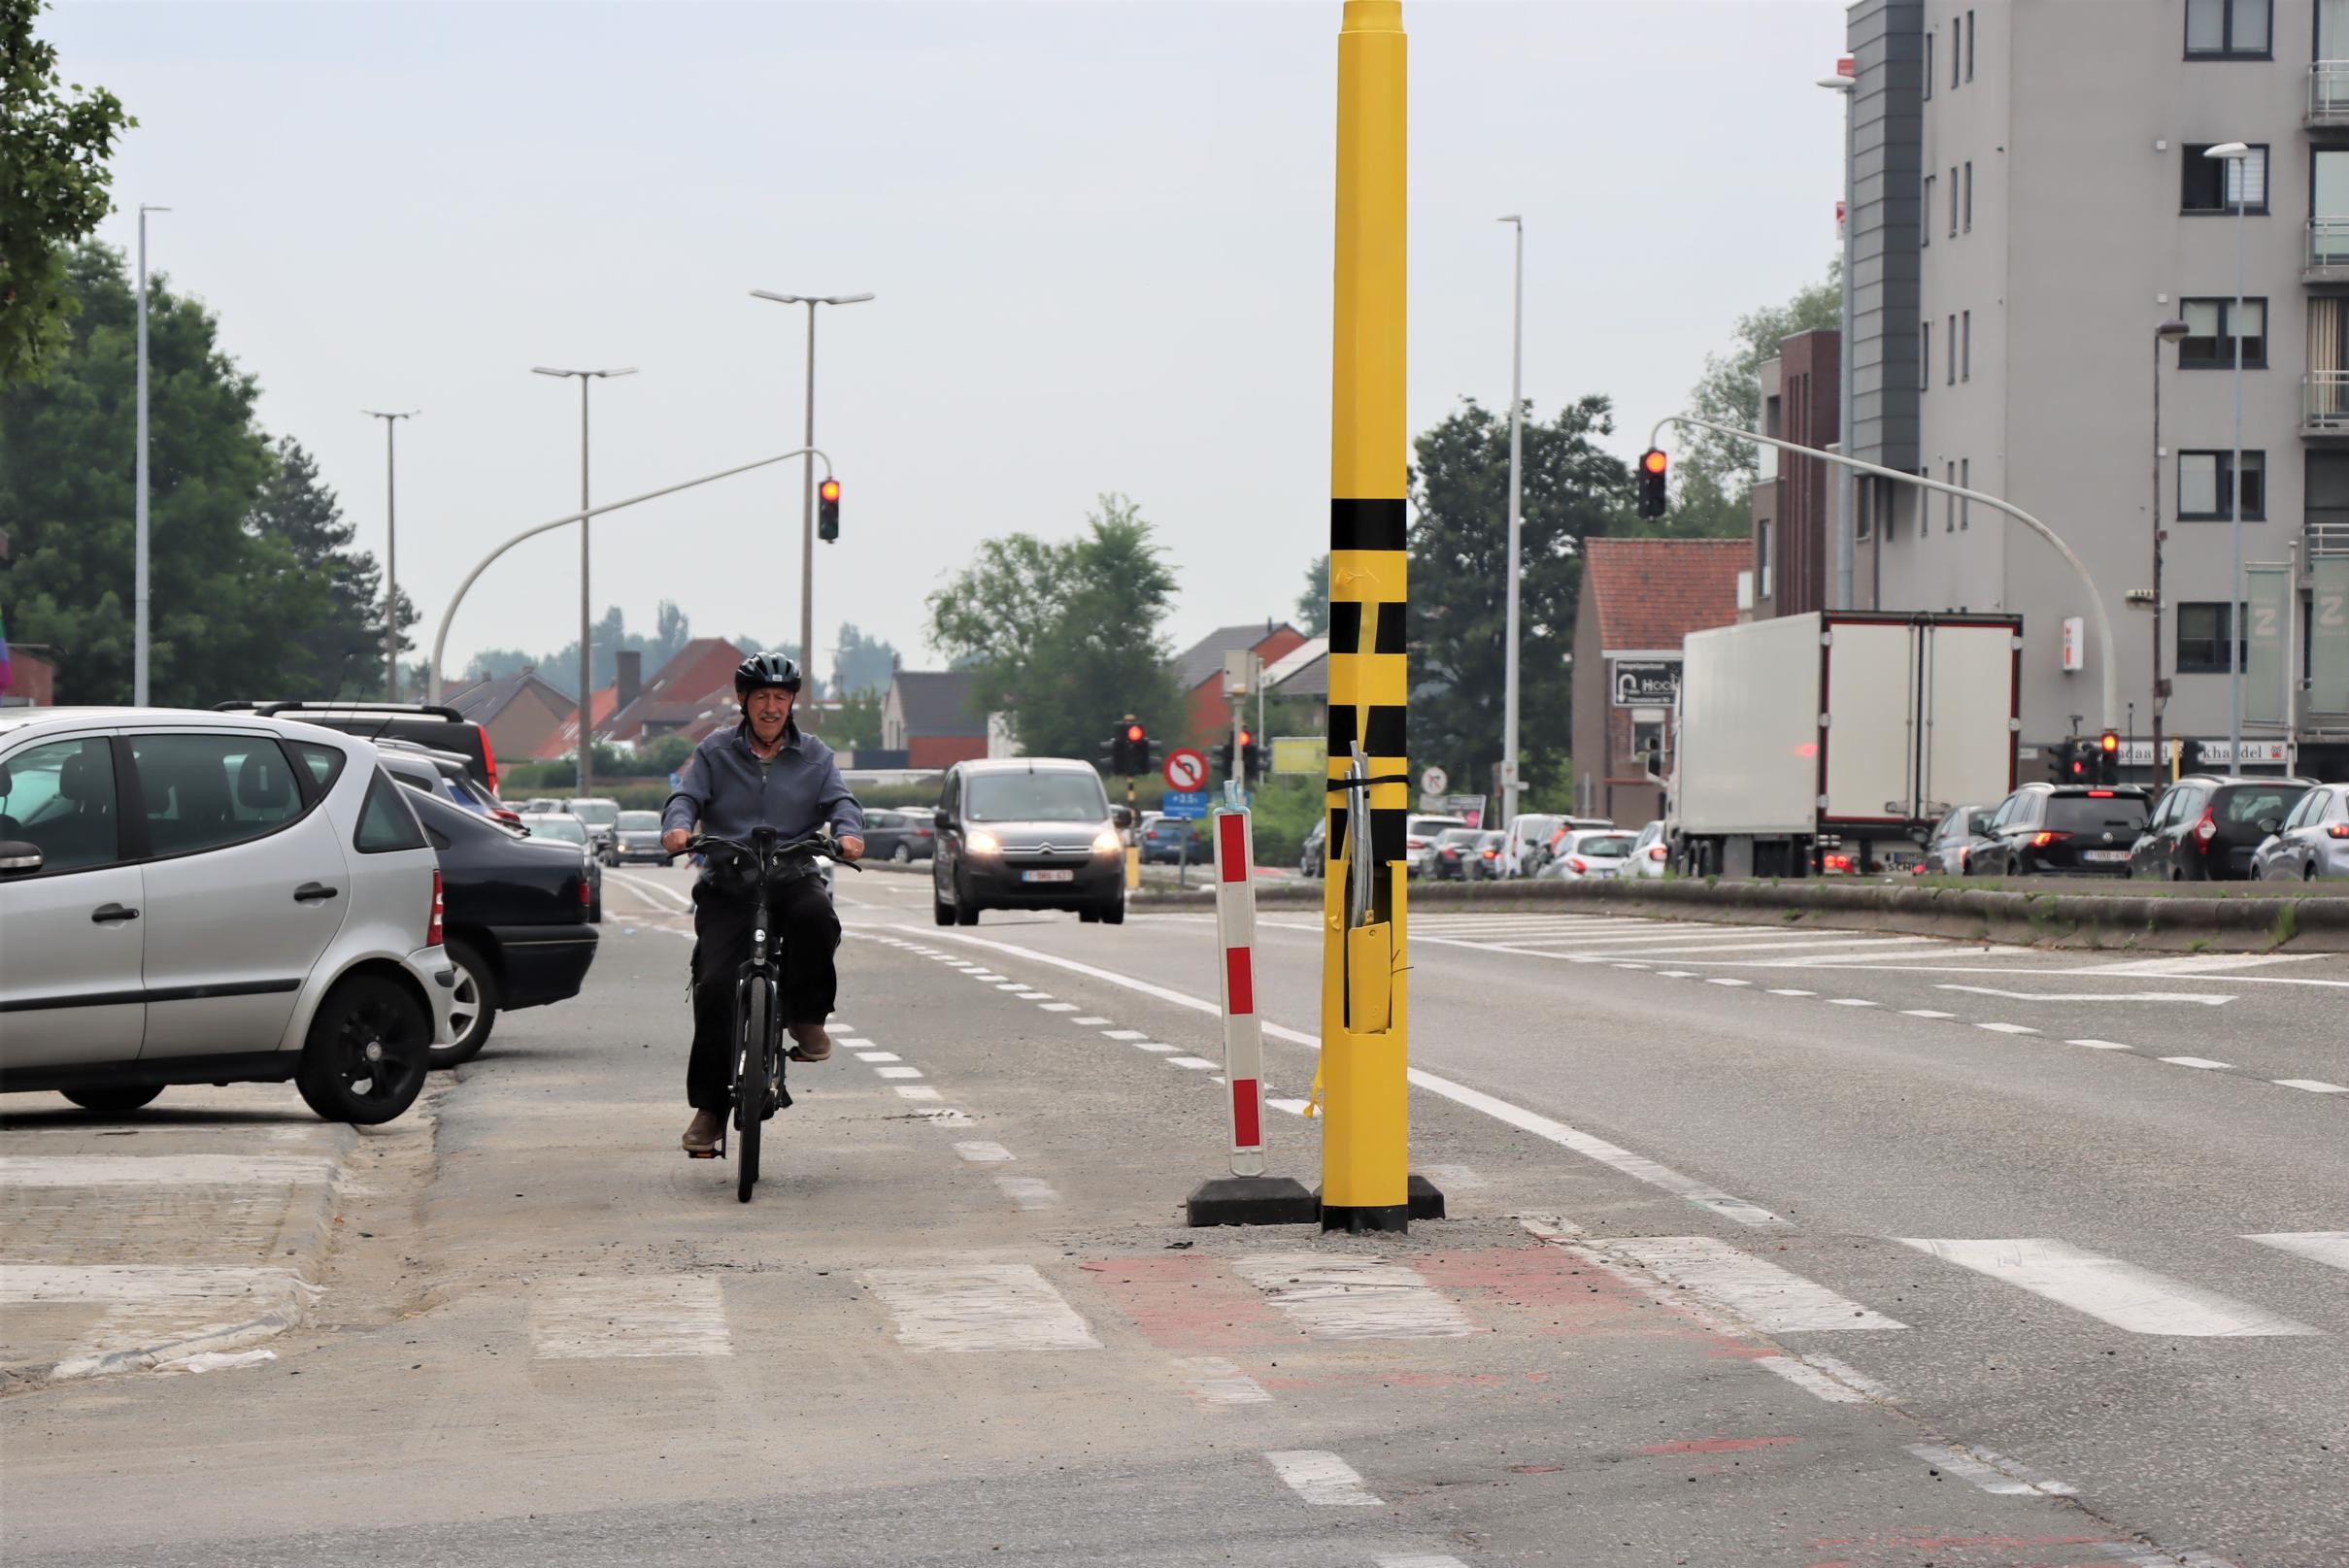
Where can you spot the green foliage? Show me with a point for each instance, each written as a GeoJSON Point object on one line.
{"type": "Point", "coordinates": [341, 656]}
{"type": "Point", "coordinates": [663, 755]}
{"type": "Point", "coordinates": [1712, 475]}
{"type": "Point", "coordinates": [858, 724]}
{"type": "Point", "coordinates": [861, 663]}
{"type": "Point", "coordinates": [1313, 603]}
{"type": "Point", "coordinates": [1459, 539]}
{"type": "Point", "coordinates": [1067, 638]}
{"type": "Point", "coordinates": [55, 141]}
{"type": "Point", "coordinates": [607, 638]}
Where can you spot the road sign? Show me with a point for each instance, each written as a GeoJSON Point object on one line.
{"type": "Point", "coordinates": [1433, 781]}
{"type": "Point", "coordinates": [1185, 769]}
{"type": "Point", "coordinates": [1184, 805]}
{"type": "Point", "coordinates": [1308, 754]}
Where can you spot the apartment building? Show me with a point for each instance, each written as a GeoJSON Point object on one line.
{"type": "Point", "coordinates": [2031, 201]}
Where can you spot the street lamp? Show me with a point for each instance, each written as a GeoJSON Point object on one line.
{"type": "Point", "coordinates": [1517, 419]}
{"type": "Point", "coordinates": [391, 556]}
{"type": "Point", "coordinates": [2236, 156]}
{"type": "Point", "coordinates": [587, 688]}
{"type": "Point", "coordinates": [139, 639]}
{"type": "Point", "coordinates": [806, 484]}
{"type": "Point", "coordinates": [2169, 331]}
{"type": "Point", "coordinates": [1846, 520]}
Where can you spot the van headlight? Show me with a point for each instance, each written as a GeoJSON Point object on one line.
{"type": "Point", "coordinates": [1106, 842]}
{"type": "Point", "coordinates": [979, 841]}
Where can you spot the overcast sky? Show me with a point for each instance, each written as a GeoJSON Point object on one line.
{"type": "Point", "coordinates": [1100, 235]}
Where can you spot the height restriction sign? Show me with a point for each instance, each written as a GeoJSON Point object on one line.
{"type": "Point", "coordinates": [1185, 768]}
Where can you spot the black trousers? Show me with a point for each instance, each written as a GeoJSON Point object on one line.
{"type": "Point", "coordinates": [809, 934]}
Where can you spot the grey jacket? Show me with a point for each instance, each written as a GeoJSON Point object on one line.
{"type": "Point", "coordinates": [723, 788]}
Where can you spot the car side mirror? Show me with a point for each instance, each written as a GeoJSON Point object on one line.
{"type": "Point", "coordinates": [1122, 817]}
{"type": "Point", "coordinates": [2269, 824]}
{"type": "Point", "coordinates": [18, 858]}
{"type": "Point", "coordinates": [941, 820]}
{"type": "Point", "coordinates": [1921, 835]}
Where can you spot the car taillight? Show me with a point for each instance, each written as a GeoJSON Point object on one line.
{"type": "Point", "coordinates": [510, 818]}
{"type": "Point", "coordinates": [488, 759]}
{"type": "Point", "coordinates": [2042, 839]}
{"type": "Point", "coordinates": [2099, 795]}
{"type": "Point", "coordinates": [2208, 828]}
{"type": "Point", "coordinates": [583, 893]}
{"type": "Point", "coordinates": [432, 926]}
{"type": "Point", "coordinates": [1579, 864]}
{"type": "Point", "coordinates": [1656, 851]}
{"type": "Point", "coordinates": [1491, 854]}
{"type": "Point", "coordinates": [2337, 830]}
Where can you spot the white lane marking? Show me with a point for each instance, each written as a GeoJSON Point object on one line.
{"type": "Point", "coordinates": [1216, 1381]}
{"type": "Point", "coordinates": [1844, 1372]}
{"type": "Point", "coordinates": [1088, 1022]}
{"type": "Point", "coordinates": [986, 974]}
{"type": "Point", "coordinates": [1637, 1166]}
{"type": "Point", "coordinates": [2206, 998]}
{"type": "Point", "coordinates": [1318, 1475]}
{"type": "Point", "coordinates": [1333, 1297]}
{"type": "Point", "coordinates": [160, 1314]}
{"type": "Point", "coordinates": [969, 1307]}
{"type": "Point", "coordinates": [1194, 1062]}
{"type": "Point", "coordinates": [1717, 980]}
{"type": "Point", "coordinates": [1013, 985]}
{"type": "Point", "coordinates": [1748, 1289]}
{"type": "Point", "coordinates": [1029, 1191]}
{"type": "Point", "coordinates": [1296, 1108]}
{"type": "Point", "coordinates": [1033, 996]}
{"type": "Point", "coordinates": [2201, 963]}
{"type": "Point", "coordinates": [1458, 1177]}
{"type": "Point", "coordinates": [978, 1151]}
{"type": "Point", "coordinates": [1826, 1378]}
{"type": "Point", "coordinates": [1677, 974]}
{"type": "Point", "coordinates": [162, 1170]}
{"type": "Point", "coordinates": [851, 1044]}
{"type": "Point", "coordinates": [2203, 1062]}
{"type": "Point", "coordinates": [2135, 1299]}
{"type": "Point", "coordinates": [1124, 1034]}
{"type": "Point", "coordinates": [877, 1055]}
{"type": "Point", "coordinates": [642, 1314]}
{"type": "Point", "coordinates": [2007, 1029]}
{"type": "Point", "coordinates": [1924, 1013]}
{"type": "Point", "coordinates": [1849, 1001]}
{"type": "Point", "coordinates": [2098, 1044]}
{"type": "Point", "coordinates": [1813, 949]}
{"type": "Point", "coordinates": [667, 899]}
{"type": "Point", "coordinates": [916, 1091]}
{"type": "Point", "coordinates": [1059, 1007]}
{"type": "Point", "coordinates": [1154, 1047]}
{"type": "Point", "coordinates": [2327, 1247]}
{"type": "Point", "coordinates": [1789, 990]}
{"type": "Point", "coordinates": [898, 1072]}
{"type": "Point", "coordinates": [2314, 1085]}
{"type": "Point", "coordinates": [1634, 965]}
{"type": "Point", "coordinates": [1991, 1472]}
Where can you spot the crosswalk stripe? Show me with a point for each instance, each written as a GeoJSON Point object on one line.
{"type": "Point", "coordinates": [1750, 1289]}
{"type": "Point", "coordinates": [1318, 1475]}
{"type": "Point", "coordinates": [979, 1152]}
{"type": "Point", "coordinates": [2108, 1290]}
{"type": "Point", "coordinates": [1353, 1298]}
{"type": "Point", "coordinates": [162, 1170]}
{"type": "Point", "coordinates": [1991, 1472]}
{"type": "Point", "coordinates": [2327, 1246]}
{"type": "Point", "coordinates": [1216, 1381]}
{"type": "Point", "coordinates": [647, 1314]}
{"type": "Point", "coordinates": [1029, 1191]}
{"type": "Point", "coordinates": [978, 1307]}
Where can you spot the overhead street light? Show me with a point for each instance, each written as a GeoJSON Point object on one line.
{"type": "Point", "coordinates": [1517, 419]}
{"type": "Point", "coordinates": [586, 687]}
{"type": "Point", "coordinates": [391, 553]}
{"type": "Point", "coordinates": [807, 483]}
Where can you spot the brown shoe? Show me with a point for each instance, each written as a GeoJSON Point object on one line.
{"type": "Point", "coordinates": [814, 1043]}
{"type": "Point", "coordinates": [701, 1133]}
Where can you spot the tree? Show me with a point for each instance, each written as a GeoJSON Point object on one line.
{"type": "Point", "coordinates": [1313, 604]}
{"type": "Point", "coordinates": [340, 655]}
{"type": "Point", "coordinates": [860, 664]}
{"type": "Point", "coordinates": [53, 181]}
{"type": "Point", "coordinates": [1067, 638]}
{"type": "Point", "coordinates": [858, 723]}
{"type": "Point", "coordinates": [1459, 551]}
{"type": "Point", "coordinates": [1713, 474]}
{"type": "Point", "coordinates": [232, 605]}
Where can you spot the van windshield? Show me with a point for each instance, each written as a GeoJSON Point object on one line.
{"type": "Point", "coordinates": [1035, 797]}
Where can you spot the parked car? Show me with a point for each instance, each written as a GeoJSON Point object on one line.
{"type": "Point", "coordinates": [442, 728]}
{"type": "Point", "coordinates": [1951, 843]}
{"type": "Point", "coordinates": [1651, 855]}
{"type": "Point", "coordinates": [1528, 842]}
{"type": "Point", "coordinates": [2311, 843]}
{"type": "Point", "coordinates": [1446, 860]}
{"type": "Point", "coordinates": [516, 922]}
{"type": "Point", "coordinates": [1485, 865]}
{"type": "Point", "coordinates": [212, 898]}
{"type": "Point", "coordinates": [1419, 832]}
{"type": "Point", "coordinates": [1546, 854]}
{"type": "Point", "coordinates": [1027, 833]}
{"type": "Point", "coordinates": [2062, 830]}
{"type": "Point", "coordinates": [562, 827]}
{"type": "Point", "coordinates": [1309, 856]}
{"type": "Point", "coordinates": [1174, 842]}
{"type": "Point", "coordinates": [601, 818]}
{"type": "Point", "coordinates": [2207, 826]}
{"type": "Point", "coordinates": [1591, 853]}
{"type": "Point", "coordinates": [900, 836]}
{"type": "Point", "coordinates": [441, 773]}
{"type": "Point", "coordinates": [637, 837]}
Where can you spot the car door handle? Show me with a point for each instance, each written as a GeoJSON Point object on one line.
{"type": "Point", "coordinates": [310, 892]}
{"type": "Point", "coordinates": [107, 913]}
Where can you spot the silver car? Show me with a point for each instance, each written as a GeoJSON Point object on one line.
{"type": "Point", "coordinates": [1591, 854]}
{"type": "Point", "coordinates": [2311, 842]}
{"type": "Point", "coordinates": [209, 898]}
{"type": "Point", "coordinates": [1651, 854]}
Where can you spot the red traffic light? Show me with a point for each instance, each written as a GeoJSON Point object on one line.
{"type": "Point", "coordinates": [830, 490]}
{"type": "Point", "coordinates": [1654, 460]}
{"type": "Point", "coordinates": [1133, 732]}
{"type": "Point", "coordinates": [1246, 738]}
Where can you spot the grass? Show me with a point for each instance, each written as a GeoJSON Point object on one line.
{"type": "Point", "coordinates": [2287, 923]}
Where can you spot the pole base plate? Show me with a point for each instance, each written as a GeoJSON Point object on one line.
{"type": "Point", "coordinates": [1252, 1200]}
{"type": "Point", "coordinates": [1424, 1200]}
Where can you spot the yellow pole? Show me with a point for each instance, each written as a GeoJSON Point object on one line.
{"type": "Point", "coordinates": [1365, 1141]}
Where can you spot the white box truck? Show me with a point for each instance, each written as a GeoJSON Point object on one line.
{"type": "Point", "coordinates": [1837, 729]}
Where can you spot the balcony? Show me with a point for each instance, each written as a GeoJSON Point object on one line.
{"type": "Point", "coordinates": [2324, 404]}
{"type": "Point", "coordinates": [2328, 104]}
{"type": "Point", "coordinates": [2325, 260]}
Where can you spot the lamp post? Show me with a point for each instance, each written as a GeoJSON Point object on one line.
{"type": "Point", "coordinates": [806, 484]}
{"type": "Point", "coordinates": [1846, 522]}
{"type": "Point", "coordinates": [139, 639]}
{"type": "Point", "coordinates": [391, 555]}
{"type": "Point", "coordinates": [2237, 157]}
{"type": "Point", "coordinates": [586, 687]}
{"type": "Point", "coordinates": [2169, 331]}
{"type": "Point", "coordinates": [1517, 419]}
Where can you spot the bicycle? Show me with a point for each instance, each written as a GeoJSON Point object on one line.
{"type": "Point", "coordinates": [757, 1090]}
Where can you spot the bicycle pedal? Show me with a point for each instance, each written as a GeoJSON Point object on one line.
{"type": "Point", "coordinates": [701, 1153]}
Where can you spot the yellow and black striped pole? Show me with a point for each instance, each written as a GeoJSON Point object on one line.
{"type": "Point", "coordinates": [1365, 1181]}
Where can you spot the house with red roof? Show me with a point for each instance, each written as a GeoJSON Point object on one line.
{"type": "Point", "coordinates": [1639, 598]}
{"type": "Point", "coordinates": [1199, 672]}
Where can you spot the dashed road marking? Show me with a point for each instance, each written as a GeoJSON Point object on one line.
{"type": "Point", "coordinates": [1353, 1298]}
{"type": "Point", "coordinates": [2098, 1044]}
{"type": "Point", "coordinates": [1029, 1191]}
{"type": "Point", "coordinates": [1739, 1286]}
{"type": "Point", "coordinates": [2327, 1246]}
{"type": "Point", "coordinates": [1195, 1063]}
{"type": "Point", "coordinates": [2203, 1062]}
{"type": "Point", "coordinates": [1789, 990]}
{"type": "Point", "coordinates": [650, 1315]}
{"type": "Point", "coordinates": [1850, 1001]}
{"type": "Point", "coordinates": [1318, 1475]}
{"type": "Point", "coordinates": [1216, 1381]}
{"type": "Point", "coordinates": [877, 1055]}
{"type": "Point", "coordinates": [977, 1307]}
{"type": "Point", "coordinates": [1154, 1047]}
{"type": "Point", "coordinates": [898, 1071]}
{"type": "Point", "coordinates": [1088, 1022]}
{"type": "Point", "coordinates": [2106, 1288]}
{"type": "Point", "coordinates": [1722, 980]}
{"type": "Point", "coordinates": [2007, 1029]}
{"type": "Point", "coordinates": [916, 1091]}
{"type": "Point", "coordinates": [979, 1152]}
{"type": "Point", "coordinates": [2314, 1085]}
{"type": "Point", "coordinates": [1991, 1472]}
{"type": "Point", "coordinates": [1924, 1013]}
{"type": "Point", "coordinates": [1124, 1034]}
{"type": "Point", "coordinates": [1059, 1007]}
{"type": "Point", "coordinates": [939, 1118]}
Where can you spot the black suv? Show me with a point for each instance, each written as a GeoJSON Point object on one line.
{"type": "Point", "coordinates": [441, 729]}
{"type": "Point", "coordinates": [2208, 825]}
{"type": "Point", "coordinates": [2062, 830]}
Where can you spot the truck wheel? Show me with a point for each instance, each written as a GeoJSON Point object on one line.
{"type": "Point", "coordinates": [364, 1061]}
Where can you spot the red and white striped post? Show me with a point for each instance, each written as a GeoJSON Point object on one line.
{"type": "Point", "coordinates": [1243, 1030]}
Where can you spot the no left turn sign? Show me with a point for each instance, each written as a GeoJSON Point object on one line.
{"type": "Point", "coordinates": [1185, 768]}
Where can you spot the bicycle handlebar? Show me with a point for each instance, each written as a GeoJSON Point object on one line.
{"type": "Point", "coordinates": [816, 842]}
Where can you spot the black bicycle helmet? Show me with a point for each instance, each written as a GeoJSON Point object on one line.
{"type": "Point", "coordinates": [766, 670]}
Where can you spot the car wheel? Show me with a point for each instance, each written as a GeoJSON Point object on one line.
{"type": "Point", "coordinates": [115, 1102]}
{"type": "Point", "coordinates": [364, 1061]}
{"type": "Point", "coordinates": [940, 910]}
{"type": "Point", "coordinates": [1088, 916]}
{"type": "Point", "coordinates": [595, 906]}
{"type": "Point", "coordinates": [472, 1007]}
{"type": "Point", "coordinates": [966, 912]}
{"type": "Point", "coordinates": [2308, 872]}
{"type": "Point", "coordinates": [903, 853]}
{"type": "Point", "coordinates": [1113, 913]}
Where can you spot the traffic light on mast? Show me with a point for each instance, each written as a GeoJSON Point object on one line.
{"type": "Point", "coordinates": [1252, 758]}
{"type": "Point", "coordinates": [827, 511]}
{"type": "Point", "coordinates": [1654, 468]}
{"type": "Point", "coordinates": [2108, 758]}
{"type": "Point", "coordinates": [1138, 749]}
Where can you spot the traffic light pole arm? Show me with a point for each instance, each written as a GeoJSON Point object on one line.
{"type": "Point", "coordinates": [440, 639]}
{"type": "Point", "coordinates": [2105, 666]}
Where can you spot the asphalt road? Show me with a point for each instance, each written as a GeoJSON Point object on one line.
{"type": "Point", "coordinates": [1818, 1268]}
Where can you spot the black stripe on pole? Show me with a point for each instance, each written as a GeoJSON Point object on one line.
{"type": "Point", "coordinates": [1341, 731]}
{"type": "Point", "coordinates": [1385, 734]}
{"type": "Point", "coordinates": [1367, 525]}
{"type": "Point", "coordinates": [1387, 834]}
{"type": "Point", "coordinates": [1392, 619]}
{"type": "Point", "coordinates": [1345, 627]}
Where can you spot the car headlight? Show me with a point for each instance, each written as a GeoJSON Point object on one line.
{"type": "Point", "coordinates": [980, 841]}
{"type": "Point", "coordinates": [1106, 842]}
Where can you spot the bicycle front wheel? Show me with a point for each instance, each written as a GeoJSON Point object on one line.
{"type": "Point", "coordinates": [750, 1085]}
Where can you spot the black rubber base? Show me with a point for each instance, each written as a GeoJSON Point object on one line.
{"type": "Point", "coordinates": [1252, 1200]}
{"type": "Point", "coordinates": [1427, 1201]}
{"type": "Point", "coordinates": [1424, 1200]}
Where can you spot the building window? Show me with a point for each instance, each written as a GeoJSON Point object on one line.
{"type": "Point", "coordinates": [1949, 503]}
{"type": "Point", "coordinates": [1647, 735]}
{"type": "Point", "coordinates": [1952, 202]}
{"type": "Point", "coordinates": [2229, 29]}
{"type": "Point", "coordinates": [1965, 345]}
{"type": "Point", "coordinates": [1929, 35]}
{"type": "Point", "coordinates": [1925, 229]}
{"type": "Point", "coordinates": [2202, 640]}
{"type": "Point", "coordinates": [2204, 491]}
{"type": "Point", "coordinates": [1762, 556]}
{"type": "Point", "coordinates": [1965, 479]}
{"type": "Point", "coordinates": [2224, 184]}
{"type": "Point", "coordinates": [1969, 198]}
{"type": "Point", "coordinates": [2209, 341]}
{"type": "Point", "coordinates": [1950, 372]}
{"type": "Point", "coordinates": [1924, 356]}
{"type": "Point", "coordinates": [1969, 45]}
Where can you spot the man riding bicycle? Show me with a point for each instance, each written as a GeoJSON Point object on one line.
{"type": "Point", "coordinates": [761, 773]}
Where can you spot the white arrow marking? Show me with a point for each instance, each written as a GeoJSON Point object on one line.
{"type": "Point", "coordinates": [2205, 998]}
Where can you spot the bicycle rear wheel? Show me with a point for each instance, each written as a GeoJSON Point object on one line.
{"type": "Point", "coordinates": [750, 1087]}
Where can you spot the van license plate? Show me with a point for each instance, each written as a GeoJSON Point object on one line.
{"type": "Point", "coordinates": [1048, 876]}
